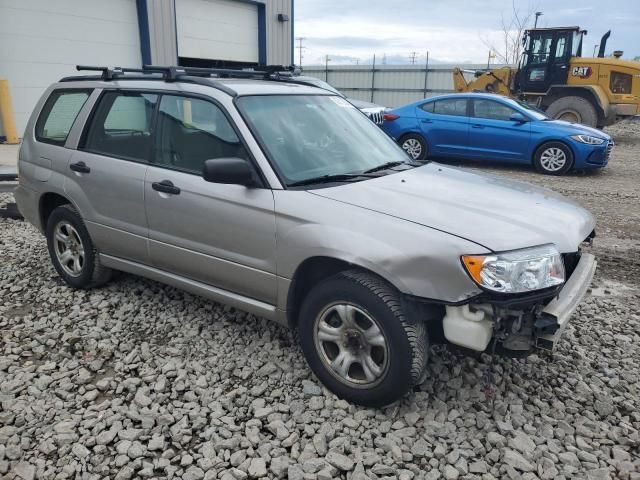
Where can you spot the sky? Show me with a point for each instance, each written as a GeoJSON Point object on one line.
{"type": "Point", "coordinates": [453, 31]}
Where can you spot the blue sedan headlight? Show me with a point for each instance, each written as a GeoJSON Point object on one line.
{"type": "Point", "coordinates": [588, 139]}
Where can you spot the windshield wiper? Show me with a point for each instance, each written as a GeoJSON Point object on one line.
{"type": "Point", "coordinates": [341, 177]}
{"type": "Point", "coordinates": [384, 166]}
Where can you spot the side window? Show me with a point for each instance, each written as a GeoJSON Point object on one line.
{"type": "Point", "coordinates": [620, 82]}
{"type": "Point", "coordinates": [59, 114]}
{"type": "Point", "coordinates": [191, 131]}
{"type": "Point", "coordinates": [121, 125]}
{"type": "Point", "coordinates": [561, 48]}
{"type": "Point", "coordinates": [427, 107]}
{"type": "Point", "coordinates": [451, 106]}
{"type": "Point", "coordinates": [491, 110]}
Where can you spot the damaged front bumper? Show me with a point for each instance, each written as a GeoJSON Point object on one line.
{"type": "Point", "coordinates": [521, 325]}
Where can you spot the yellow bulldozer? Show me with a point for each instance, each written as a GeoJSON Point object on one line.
{"type": "Point", "coordinates": [554, 76]}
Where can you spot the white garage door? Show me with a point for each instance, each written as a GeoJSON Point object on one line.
{"type": "Point", "coordinates": [217, 30]}
{"type": "Point", "coordinates": [43, 40]}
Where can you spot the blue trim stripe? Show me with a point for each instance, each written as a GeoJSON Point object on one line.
{"type": "Point", "coordinates": [143, 30]}
{"type": "Point", "coordinates": [262, 34]}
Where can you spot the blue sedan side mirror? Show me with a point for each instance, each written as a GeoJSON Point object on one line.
{"type": "Point", "coordinates": [518, 117]}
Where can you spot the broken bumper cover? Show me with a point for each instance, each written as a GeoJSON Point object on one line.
{"type": "Point", "coordinates": [554, 318]}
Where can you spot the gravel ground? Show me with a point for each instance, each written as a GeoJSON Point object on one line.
{"type": "Point", "coordinates": [141, 380]}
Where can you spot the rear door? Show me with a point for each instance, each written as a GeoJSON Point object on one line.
{"type": "Point", "coordinates": [221, 235]}
{"type": "Point", "coordinates": [445, 125]}
{"type": "Point", "coordinates": [106, 174]}
{"type": "Point", "coordinates": [493, 136]}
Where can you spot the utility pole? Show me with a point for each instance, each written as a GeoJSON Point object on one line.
{"type": "Point", "coordinates": [538, 14]}
{"type": "Point", "coordinates": [326, 68]}
{"type": "Point", "coordinates": [491, 55]}
{"type": "Point", "coordinates": [412, 57]}
{"type": "Point", "coordinates": [300, 48]}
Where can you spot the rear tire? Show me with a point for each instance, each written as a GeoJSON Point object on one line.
{"type": "Point", "coordinates": [553, 158]}
{"type": "Point", "coordinates": [415, 146]}
{"type": "Point", "coordinates": [72, 252]}
{"type": "Point", "coordinates": [574, 109]}
{"type": "Point", "coordinates": [358, 340]}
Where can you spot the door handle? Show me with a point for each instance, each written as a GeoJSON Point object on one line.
{"type": "Point", "coordinates": [477, 126]}
{"type": "Point", "coordinates": [80, 167]}
{"type": "Point", "coordinates": [166, 186]}
{"type": "Point", "coordinates": [426, 120]}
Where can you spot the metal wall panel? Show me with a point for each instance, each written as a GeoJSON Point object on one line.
{"type": "Point", "coordinates": [390, 85]}
{"type": "Point", "coordinates": [162, 32]}
{"type": "Point", "coordinates": [42, 41]}
{"type": "Point", "coordinates": [162, 26]}
{"type": "Point", "coordinates": [279, 38]}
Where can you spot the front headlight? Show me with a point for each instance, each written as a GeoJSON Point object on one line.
{"type": "Point", "coordinates": [517, 271]}
{"type": "Point", "coordinates": [588, 139]}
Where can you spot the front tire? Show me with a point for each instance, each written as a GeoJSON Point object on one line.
{"type": "Point", "coordinates": [358, 340]}
{"type": "Point", "coordinates": [574, 109]}
{"type": "Point", "coordinates": [553, 158]}
{"type": "Point", "coordinates": [71, 250]}
{"type": "Point", "coordinates": [415, 146]}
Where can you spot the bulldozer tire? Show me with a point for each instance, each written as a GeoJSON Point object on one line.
{"type": "Point", "coordinates": [575, 110]}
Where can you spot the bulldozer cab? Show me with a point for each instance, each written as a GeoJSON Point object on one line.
{"type": "Point", "coordinates": [546, 57]}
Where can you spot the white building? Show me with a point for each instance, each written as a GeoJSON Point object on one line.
{"type": "Point", "coordinates": [42, 41]}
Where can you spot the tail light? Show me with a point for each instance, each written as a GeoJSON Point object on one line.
{"type": "Point", "coordinates": [390, 117]}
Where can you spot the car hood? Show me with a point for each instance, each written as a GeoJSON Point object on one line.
{"type": "Point", "coordinates": [494, 212]}
{"type": "Point", "coordinates": [575, 128]}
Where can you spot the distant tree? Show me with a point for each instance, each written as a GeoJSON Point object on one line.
{"type": "Point", "coordinates": [508, 49]}
{"type": "Point", "coordinates": [637, 59]}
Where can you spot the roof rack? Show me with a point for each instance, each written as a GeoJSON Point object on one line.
{"type": "Point", "coordinates": [172, 73]}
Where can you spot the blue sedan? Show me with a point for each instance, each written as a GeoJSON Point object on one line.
{"type": "Point", "coordinates": [484, 126]}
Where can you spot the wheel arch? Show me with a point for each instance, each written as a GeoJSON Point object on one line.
{"type": "Point", "coordinates": [313, 270]}
{"type": "Point", "coordinates": [47, 203]}
{"type": "Point", "coordinates": [556, 140]}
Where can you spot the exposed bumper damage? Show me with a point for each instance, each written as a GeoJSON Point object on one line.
{"type": "Point", "coordinates": [521, 325]}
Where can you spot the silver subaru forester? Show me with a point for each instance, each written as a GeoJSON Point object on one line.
{"type": "Point", "coordinates": [285, 201]}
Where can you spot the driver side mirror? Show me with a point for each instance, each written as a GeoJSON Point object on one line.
{"type": "Point", "coordinates": [232, 171]}
{"type": "Point", "coordinates": [518, 117]}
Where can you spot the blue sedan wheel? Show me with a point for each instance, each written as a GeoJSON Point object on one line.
{"type": "Point", "coordinates": [553, 158]}
{"type": "Point", "coordinates": [415, 146]}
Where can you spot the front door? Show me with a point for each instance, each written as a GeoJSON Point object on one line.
{"type": "Point", "coordinates": [493, 136]}
{"type": "Point", "coordinates": [546, 60]}
{"type": "Point", "coordinates": [106, 174]}
{"type": "Point", "coordinates": [221, 235]}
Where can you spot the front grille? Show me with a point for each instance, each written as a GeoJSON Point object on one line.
{"type": "Point", "coordinates": [376, 117]}
{"type": "Point", "coordinates": [609, 150]}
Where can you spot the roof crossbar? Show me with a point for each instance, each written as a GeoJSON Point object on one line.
{"type": "Point", "coordinates": [172, 73]}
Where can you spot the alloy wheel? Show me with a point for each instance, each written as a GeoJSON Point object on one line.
{"type": "Point", "coordinates": [412, 147]}
{"type": "Point", "coordinates": [553, 159]}
{"type": "Point", "coordinates": [351, 345]}
{"type": "Point", "coordinates": [68, 248]}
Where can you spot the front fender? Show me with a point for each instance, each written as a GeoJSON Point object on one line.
{"type": "Point", "coordinates": [417, 260]}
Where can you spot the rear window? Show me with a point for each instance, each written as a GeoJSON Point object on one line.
{"type": "Point", "coordinates": [451, 106]}
{"type": "Point", "coordinates": [59, 113]}
{"type": "Point", "coordinates": [121, 125]}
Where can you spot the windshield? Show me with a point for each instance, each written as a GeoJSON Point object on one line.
{"type": "Point", "coordinates": [309, 136]}
{"type": "Point", "coordinates": [533, 111]}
